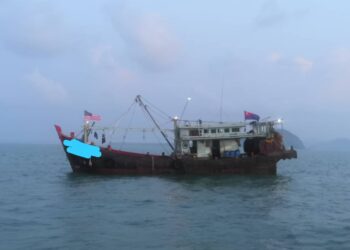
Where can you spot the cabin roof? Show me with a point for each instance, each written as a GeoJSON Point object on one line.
{"type": "Point", "coordinates": [210, 125]}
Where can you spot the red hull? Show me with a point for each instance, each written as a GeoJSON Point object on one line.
{"type": "Point", "coordinates": [116, 162]}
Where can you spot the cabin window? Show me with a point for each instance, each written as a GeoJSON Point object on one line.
{"type": "Point", "coordinates": [221, 130]}
{"type": "Point", "coordinates": [194, 132]}
{"type": "Point", "coordinates": [213, 131]}
{"type": "Point", "coordinates": [205, 131]}
{"type": "Point", "coordinates": [227, 130]}
{"type": "Point", "coordinates": [234, 129]}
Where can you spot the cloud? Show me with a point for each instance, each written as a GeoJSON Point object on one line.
{"type": "Point", "coordinates": [337, 87]}
{"type": "Point", "coordinates": [50, 90]}
{"type": "Point", "coordinates": [341, 57]}
{"type": "Point", "coordinates": [274, 57]}
{"type": "Point", "coordinates": [303, 64]}
{"type": "Point", "coordinates": [105, 57]}
{"type": "Point", "coordinates": [270, 14]}
{"type": "Point", "coordinates": [35, 29]}
{"type": "Point", "coordinates": [148, 38]}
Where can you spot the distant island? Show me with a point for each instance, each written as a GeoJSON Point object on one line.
{"type": "Point", "coordinates": [291, 139]}
{"type": "Point", "coordinates": [339, 144]}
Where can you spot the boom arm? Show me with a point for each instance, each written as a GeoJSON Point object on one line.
{"type": "Point", "coordinates": [139, 101]}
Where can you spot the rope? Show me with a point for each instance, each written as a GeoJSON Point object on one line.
{"type": "Point", "coordinates": [80, 133]}
{"type": "Point", "coordinates": [132, 109]}
{"type": "Point", "coordinates": [158, 109]}
{"type": "Point", "coordinates": [117, 121]}
{"type": "Point", "coordinates": [126, 131]}
{"type": "Point", "coordinates": [155, 134]}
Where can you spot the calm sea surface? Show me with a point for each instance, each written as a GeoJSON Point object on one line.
{"type": "Point", "coordinates": [45, 206]}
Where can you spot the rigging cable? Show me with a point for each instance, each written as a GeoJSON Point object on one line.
{"type": "Point", "coordinates": [155, 134]}
{"type": "Point", "coordinates": [117, 121]}
{"type": "Point", "coordinates": [158, 109]}
{"type": "Point", "coordinates": [127, 130]}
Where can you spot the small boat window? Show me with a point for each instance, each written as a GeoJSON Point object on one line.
{"type": "Point", "coordinates": [221, 130]}
{"type": "Point", "coordinates": [213, 131]}
{"type": "Point", "coordinates": [205, 131]}
{"type": "Point", "coordinates": [227, 130]}
{"type": "Point", "coordinates": [234, 129]}
{"type": "Point", "coordinates": [194, 132]}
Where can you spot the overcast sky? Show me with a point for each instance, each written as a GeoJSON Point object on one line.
{"type": "Point", "coordinates": [276, 58]}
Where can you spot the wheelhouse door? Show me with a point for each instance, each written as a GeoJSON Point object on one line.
{"type": "Point", "coordinates": [215, 149]}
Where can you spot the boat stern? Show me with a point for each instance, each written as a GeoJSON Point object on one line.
{"type": "Point", "coordinates": [290, 154]}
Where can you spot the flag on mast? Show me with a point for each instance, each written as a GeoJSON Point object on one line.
{"type": "Point", "coordinates": [251, 116]}
{"type": "Point", "coordinates": [91, 117]}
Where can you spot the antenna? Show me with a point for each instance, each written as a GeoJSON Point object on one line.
{"type": "Point", "coordinates": [265, 118]}
{"type": "Point", "coordinates": [221, 98]}
{"type": "Point", "coordinates": [184, 109]}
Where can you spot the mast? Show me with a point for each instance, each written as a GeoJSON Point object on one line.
{"type": "Point", "coordinates": [139, 100]}
{"type": "Point", "coordinates": [86, 131]}
{"type": "Point", "coordinates": [176, 136]}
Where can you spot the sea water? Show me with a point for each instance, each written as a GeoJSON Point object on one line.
{"type": "Point", "coordinates": [43, 205]}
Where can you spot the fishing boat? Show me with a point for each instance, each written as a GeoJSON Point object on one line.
{"type": "Point", "coordinates": [199, 148]}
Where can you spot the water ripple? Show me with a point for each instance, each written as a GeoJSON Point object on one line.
{"type": "Point", "coordinates": [45, 206]}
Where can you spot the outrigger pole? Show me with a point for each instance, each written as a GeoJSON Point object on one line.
{"type": "Point", "coordinates": [139, 101]}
